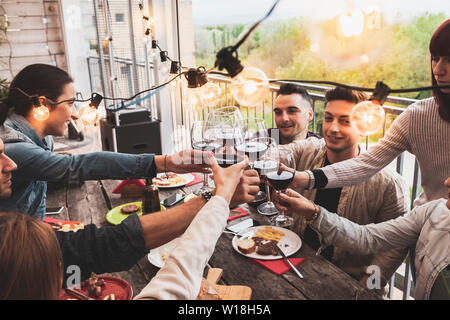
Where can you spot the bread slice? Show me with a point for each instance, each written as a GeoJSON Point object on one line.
{"type": "Point", "coordinates": [246, 246]}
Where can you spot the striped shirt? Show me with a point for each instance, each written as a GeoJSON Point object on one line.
{"type": "Point", "coordinates": [419, 130]}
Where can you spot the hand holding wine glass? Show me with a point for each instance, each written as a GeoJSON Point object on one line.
{"type": "Point", "coordinates": [280, 180]}
{"type": "Point", "coordinates": [203, 137]}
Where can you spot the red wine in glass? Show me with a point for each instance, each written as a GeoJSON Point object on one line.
{"type": "Point", "coordinates": [253, 149]}
{"type": "Point", "coordinates": [226, 159]}
{"type": "Point", "coordinates": [280, 182]}
{"type": "Point", "coordinates": [265, 166]}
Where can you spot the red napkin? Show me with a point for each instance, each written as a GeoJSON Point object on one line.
{"type": "Point", "coordinates": [197, 179]}
{"type": "Point", "coordinates": [279, 266]}
{"type": "Point", "coordinates": [235, 215]}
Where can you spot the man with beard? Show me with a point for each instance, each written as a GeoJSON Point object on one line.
{"type": "Point", "coordinates": [292, 114]}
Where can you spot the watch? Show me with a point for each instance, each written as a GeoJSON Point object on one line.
{"type": "Point", "coordinates": [206, 195]}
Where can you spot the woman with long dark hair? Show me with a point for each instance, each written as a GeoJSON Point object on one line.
{"type": "Point", "coordinates": [29, 143]}
{"type": "Point", "coordinates": [422, 129]}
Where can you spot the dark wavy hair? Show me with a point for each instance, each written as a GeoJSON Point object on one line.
{"type": "Point", "coordinates": [35, 79]}
{"type": "Point", "coordinates": [440, 46]}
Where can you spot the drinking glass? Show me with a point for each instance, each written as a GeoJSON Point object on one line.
{"type": "Point", "coordinates": [280, 181]}
{"type": "Point", "coordinates": [230, 116]}
{"type": "Point", "coordinates": [256, 139]}
{"type": "Point", "coordinates": [203, 138]}
{"type": "Point", "coordinates": [264, 165]}
{"type": "Point", "coordinates": [226, 140]}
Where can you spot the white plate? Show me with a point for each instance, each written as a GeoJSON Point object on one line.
{"type": "Point", "coordinates": [156, 255]}
{"type": "Point", "coordinates": [187, 179]}
{"type": "Point", "coordinates": [291, 239]}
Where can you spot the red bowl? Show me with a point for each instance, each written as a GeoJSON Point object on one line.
{"type": "Point", "coordinates": [113, 285]}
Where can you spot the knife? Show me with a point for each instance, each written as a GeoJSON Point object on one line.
{"type": "Point", "coordinates": [286, 258]}
{"type": "Point", "coordinates": [79, 294]}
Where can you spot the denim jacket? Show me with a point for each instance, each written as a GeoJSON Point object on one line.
{"type": "Point", "coordinates": [37, 164]}
{"type": "Point", "coordinates": [427, 226]}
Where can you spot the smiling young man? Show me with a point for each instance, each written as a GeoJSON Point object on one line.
{"type": "Point", "coordinates": [383, 197]}
{"type": "Point", "coordinates": [292, 113]}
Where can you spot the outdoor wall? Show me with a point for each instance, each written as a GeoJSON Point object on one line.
{"type": "Point", "coordinates": [31, 33]}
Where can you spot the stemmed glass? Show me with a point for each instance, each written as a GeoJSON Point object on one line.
{"type": "Point", "coordinates": [256, 139]}
{"type": "Point", "coordinates": [203, 138]}
{"type": "Point", "coordinates": [226, 139]}
{"type": "Point", "coordinates": [266, 164]}
{"type": "Point", "coordinates": [229, 116]}
{"type": "Point", "coordinates": [280, 180]}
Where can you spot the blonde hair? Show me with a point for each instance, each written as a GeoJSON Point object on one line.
{"type": "Point", "coordinates": [31, 261]}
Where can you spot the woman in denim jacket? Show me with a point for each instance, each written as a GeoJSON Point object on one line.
{"type": "Point", "coordinates": [427, 226]}
{"type": "Point", "coordinates": [29, 144]}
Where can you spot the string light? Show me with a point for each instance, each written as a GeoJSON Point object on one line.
{"type": "Point", "coordinates": [40, 112]}
{"type": "Point", "coordinates": [250, 87]}
{"type": "Point", "coordinates": [88, 114]}
{"type": "Point", "coordinates": [210, 94]}
{"type": "Point", "coordinates": [368, 116]}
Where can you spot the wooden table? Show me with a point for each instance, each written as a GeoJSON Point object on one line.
{"type": "Point", "coordinates": [322, 280]}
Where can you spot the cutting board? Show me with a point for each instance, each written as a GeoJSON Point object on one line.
{"type": "Point", "coordinates": [227, 292]}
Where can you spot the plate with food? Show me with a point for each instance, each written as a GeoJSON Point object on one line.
{"type": "Point", "coordinates": [158, 256]}
{"type": "Point", "coordinates": [117, 214]}
{"type": "Point", "coordinates": [172, 180]}
{"type": "Point", "coordinates": [100, 288]}
{"type": "Point", "coordinates": [256, 242]}
{"type": "Point", "coordinates": [64, 225]}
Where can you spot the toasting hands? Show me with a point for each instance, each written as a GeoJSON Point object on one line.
{"type": "Point", "coordinates": [295, 203]}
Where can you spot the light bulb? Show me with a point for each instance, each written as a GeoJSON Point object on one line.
{"type": "Point", "coordinates": [88, 115]}
{"type": "Point", "coordinates": [210, 94]}
{"type": "Point", "coordinates": [192, 99]}
{"type": "Point", "coordinates": [164, 68]}
{"type": "Point", "coordinates": [368, 117]}
{"type": "Point", "coordinates": [352, 23]}
{"type": "Point", "coordinates": [250, 87]}
{"type": "Point", "coordinates": [41, 113]}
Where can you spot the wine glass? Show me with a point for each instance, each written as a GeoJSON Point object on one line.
{"type": "Point", "coordinates": [226, 140]}
{"type": "Point", "coordinates": [229, 116]}
{"type": "Point", "coordinates": [203, 138]}
{"type": "Point", "coordinates": [256, 139]}
{"type": "Point", "coordinates": [266, 164]}
{"type": "Point", "coordinates": [280, 181]}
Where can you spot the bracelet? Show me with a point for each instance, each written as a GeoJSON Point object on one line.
{"type": "Point", "coordinates": [315, 215]}
{"type": "Point", "coordinates": [312, 180]}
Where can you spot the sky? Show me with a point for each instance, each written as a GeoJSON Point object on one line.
{"type": "Point", "coordinates": [248, 11]}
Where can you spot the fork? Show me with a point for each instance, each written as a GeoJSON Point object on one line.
{"type": "Point", "coordinates": [237, 234]}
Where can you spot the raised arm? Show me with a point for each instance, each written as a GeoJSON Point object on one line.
{"type": "Point", "coordinates": [363, 239]}
{"type": "Point", "coordinates": [35, 163]}
{"type": "Point", "coordinates": [181, 276]}
{"type": "Point", "coordinates": [361, 168]}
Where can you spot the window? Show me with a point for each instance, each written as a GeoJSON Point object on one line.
{"type": "Point", "coordinates": [120, 17]}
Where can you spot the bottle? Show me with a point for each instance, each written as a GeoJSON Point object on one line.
{"type": "Point", "coordinates": [150, 198]}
